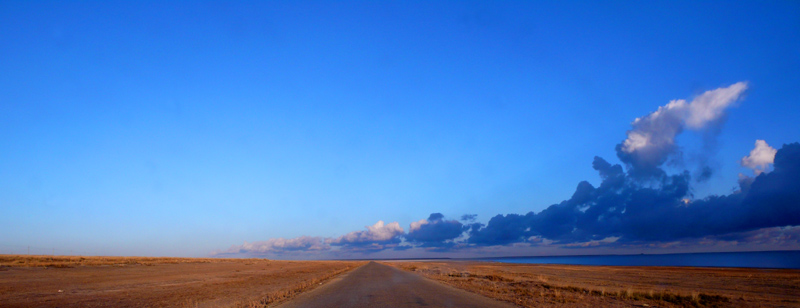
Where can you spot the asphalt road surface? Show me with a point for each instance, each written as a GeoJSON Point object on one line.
{"type": "Point", "coordinates": [378, 285]}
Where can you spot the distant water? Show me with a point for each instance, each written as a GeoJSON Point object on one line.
{"type": "Point", "coordinates": [758, 259]}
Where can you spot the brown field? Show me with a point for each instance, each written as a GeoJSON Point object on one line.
{"type": "Point", "coordinates": [45, 281]}
{"type": "Point", "coordinates": [533, 285]}
{"type": "Point", "coordinates": [60, 281]}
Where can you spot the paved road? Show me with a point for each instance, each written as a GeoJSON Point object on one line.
{"type": "Point", "coordinates": [378, 285]}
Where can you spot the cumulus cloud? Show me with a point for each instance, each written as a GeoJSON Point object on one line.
{"type": "Point", "coordinates": [377, 237]}
{"type": "Point", "coordinates": [651, 141]}
{"type": "Point", "coordinates": [434, 231]}
{"type": "Point", "coordinates": [620, 212]}
{"type": "Point", "coordinates": [760, 157]}
{"type": "Point", "coordinates": [624, 209]}
{"type": "Point", "coordinates": [711, 105]}
{"type": "Point", "coordinates": [636, 204]}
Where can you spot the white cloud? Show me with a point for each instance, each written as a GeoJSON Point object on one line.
{"type": "Point", "coordinates": [379, 232]}
{"type": "Point", "coordinates": [417, 224]}
{"type": "Point", "coordinates": [654, 134]}
{"type": "Point", "coordinates": [711, 105]}
{"type": "Point", "coordinates": [760, 158]}
{"type": "Point", "coordinates": [656, 129]}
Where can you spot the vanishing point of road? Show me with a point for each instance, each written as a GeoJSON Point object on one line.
{"type": "Point", "coordinates": [378, 285]}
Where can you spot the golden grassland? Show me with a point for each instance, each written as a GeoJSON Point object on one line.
{"type": "Point", "coordinates": [73, 261]}
{"type": "Point", "coordinates": [290, 291]}
{"type": "Point", "coordinates": [72, 281]}
{"type": "Point", "coordinates": [534, 285]}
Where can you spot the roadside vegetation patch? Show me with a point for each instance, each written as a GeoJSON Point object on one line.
{"type": "Point", "coordinates": [533, 285]}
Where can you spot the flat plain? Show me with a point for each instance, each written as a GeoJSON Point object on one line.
{"type": "Point", "coordinates": [44, 281]}
{"type": "Point", "coordinates": [538, 285]}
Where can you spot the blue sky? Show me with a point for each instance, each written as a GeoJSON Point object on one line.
{"type": "Point", "coordinates": [181, 128]}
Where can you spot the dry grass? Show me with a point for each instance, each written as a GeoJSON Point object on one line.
{"type": "Point", "coordinates": [74, 261]}
{"type": "Point", "coordinates": [590, 286]}
{"type": "Point", "coordinates": [45, 281]}
{"type": "Point", "coordinates": [290, 291]}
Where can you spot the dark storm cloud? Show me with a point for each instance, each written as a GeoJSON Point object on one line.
{"type": "Point", "coordinates": [469, 217]}
{"type": "Point", "coordinates": [704, 173]}
{"type": "Point", "coordinates": [624, 207]}
{"type": "Point", "coordinates": [434, 231]}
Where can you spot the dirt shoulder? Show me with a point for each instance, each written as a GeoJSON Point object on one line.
{"type": "Point", "coordinates": [169, 282]}
{"type": "Point", "coordinates": [536, 285]}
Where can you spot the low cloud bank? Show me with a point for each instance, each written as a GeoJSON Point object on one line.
{"type": "Point", "coordinates": [632, 211]}
{"type": "Point", "coordinates": [435, 231]}
{"type": "Point", "coordinates": [280, 245]}
{"type": "Point", "coordinates": [637, 204]}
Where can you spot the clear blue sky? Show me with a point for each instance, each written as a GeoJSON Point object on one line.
{"type": "Point", "coordinates": [178, 128]}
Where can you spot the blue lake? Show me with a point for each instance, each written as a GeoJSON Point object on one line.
{"type": "Point", "coordinates": [759, 259]}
